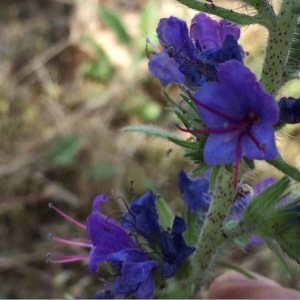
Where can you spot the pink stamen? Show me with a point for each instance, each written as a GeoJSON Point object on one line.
{"type": "Point", "coordinates": [62, 259]}
{"type": "Point", "coordinates": [231, 128]}
{"type": "Point", "coordinates": [70, 242]}
{"type": "Point", "coordinates": [70, 219]}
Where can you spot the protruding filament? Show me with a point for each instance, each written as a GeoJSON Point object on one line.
{"type": "Point", "coordinates": [70, 219]}
{"type": "Point", "coordinates": [62, 259]}
{"type": "Point", "coordinates": [70, 242]}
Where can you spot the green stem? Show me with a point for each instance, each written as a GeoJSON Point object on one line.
{"type": "Point", "coordinates": [210, 238]}
{"type": "Point", "coordinates": [285, 168]}
{"type": "Point", "coordinates": [263, 17]}
{"type": "Point", "coordinates": [279, 41]}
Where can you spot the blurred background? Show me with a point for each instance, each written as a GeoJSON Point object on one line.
{"type": "Point", "coordinates": [72, 74]}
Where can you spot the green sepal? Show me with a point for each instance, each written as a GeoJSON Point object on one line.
{"type": "Point", "coordinates": [199, 170]}
{"type": "Point", "coordinates": [285, 168]}
{"type": "Point", "coordinates": [164, 211]}
{"type": "Point", "coordinates": [188, 114]}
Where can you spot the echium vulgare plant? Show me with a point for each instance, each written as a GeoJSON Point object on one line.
{"type": "Point", "coordinates": [232, 117]}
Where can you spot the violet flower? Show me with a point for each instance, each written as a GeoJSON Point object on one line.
{"type": "Point", "coordinates": [142, 217]}
{"type": "Point", "coordinates": [289, 110]}
{"type": "Point", "coordinates": [239, 117]}
{"type": "Point", "coordinates": [174, 248]}
{"type": "Point", "coordinates": [193, 60]}
{"type": "Point", "coordinates": [195, 192]}
{"type": "Point", "coordinates": [106, 234]}
{"type": "Point", "coordinates": [110, 242]}
{"type": "Point", "coordinates": [134, 277]}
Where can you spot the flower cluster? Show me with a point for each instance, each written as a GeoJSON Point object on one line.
{"type": "Point", "coordinates": [193, 60]}
{"type": "Point", "coordinates": [232, 118]}
{"type": "Point", "coordinates": [117, 243]}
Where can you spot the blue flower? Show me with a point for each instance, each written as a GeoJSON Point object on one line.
{"type": "Point", "coordinates": [239, 117]}
{"type": "Point", "coordinates": [110, 242]}
{"type": "Point", "coordinates": [193, 60]}
{"type": "Point", "coordinates": [134, 276]}
{"type": "Point", "coordinates": [174, 248]}
{"type": "Point", "coordinates": [211, 34]}
{"type": "Point", "coordinates": [289, 110]}
{"type": "Point", "coordinates": [142, 217]}
{"type": "Point", "coordinates": [106, 234]}
{"type": "Point", "coordinates": [195, 192]}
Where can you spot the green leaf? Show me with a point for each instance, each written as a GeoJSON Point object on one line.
{"type": "Point", "coordinates": [100, 68]}
{"type": "Point", "coordinates": [147, 19]}
{"type": "Point", "coordinates": [64, 149]}
{"type": "Point", "coordinates": [265, 202]}
{"type": "Point", "coordinates": [114, 22]}
{"type": "Point", "coordinates": [149, 129]}
{"type": "Point", "coordinates": [102, 170]}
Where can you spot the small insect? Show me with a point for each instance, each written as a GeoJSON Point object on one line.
{"type": "Point", "coordinates": [210, 1]}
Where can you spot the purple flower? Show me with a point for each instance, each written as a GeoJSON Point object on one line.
{"type": "Point", "coordinates": [239, 116]}
{"type": "Point", "coordinates": [106, 234]}
{"type": "Point", "coordinates": [194, 59]}
{"type": "Point", "coordinates": [195, 192]}
{"type": "Point", "coordinates": [211, 34]}
{"type": "Point", "coordinates": [110, 242]}
{"type": "Point", "coordinates": [174, 248]}
{"type": "Point", "coordinates": [134, 276]}
{"type": "Point", "coordinates": [142, 217]}
{"type": "Point", "coordinates": [289, 110]}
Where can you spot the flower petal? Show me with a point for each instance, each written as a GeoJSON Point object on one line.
{"type": "Point", "coordinates": [173, 32]}
{"type": "Point", "coordinates": [165, 68]}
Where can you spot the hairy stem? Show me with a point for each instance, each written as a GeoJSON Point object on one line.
{"type": "Point", "coordinates": [279, 41]}
{"type": "Point", "coordinates": [210, 238]}
{"type": "Point", "coordinates": [263, 17]}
